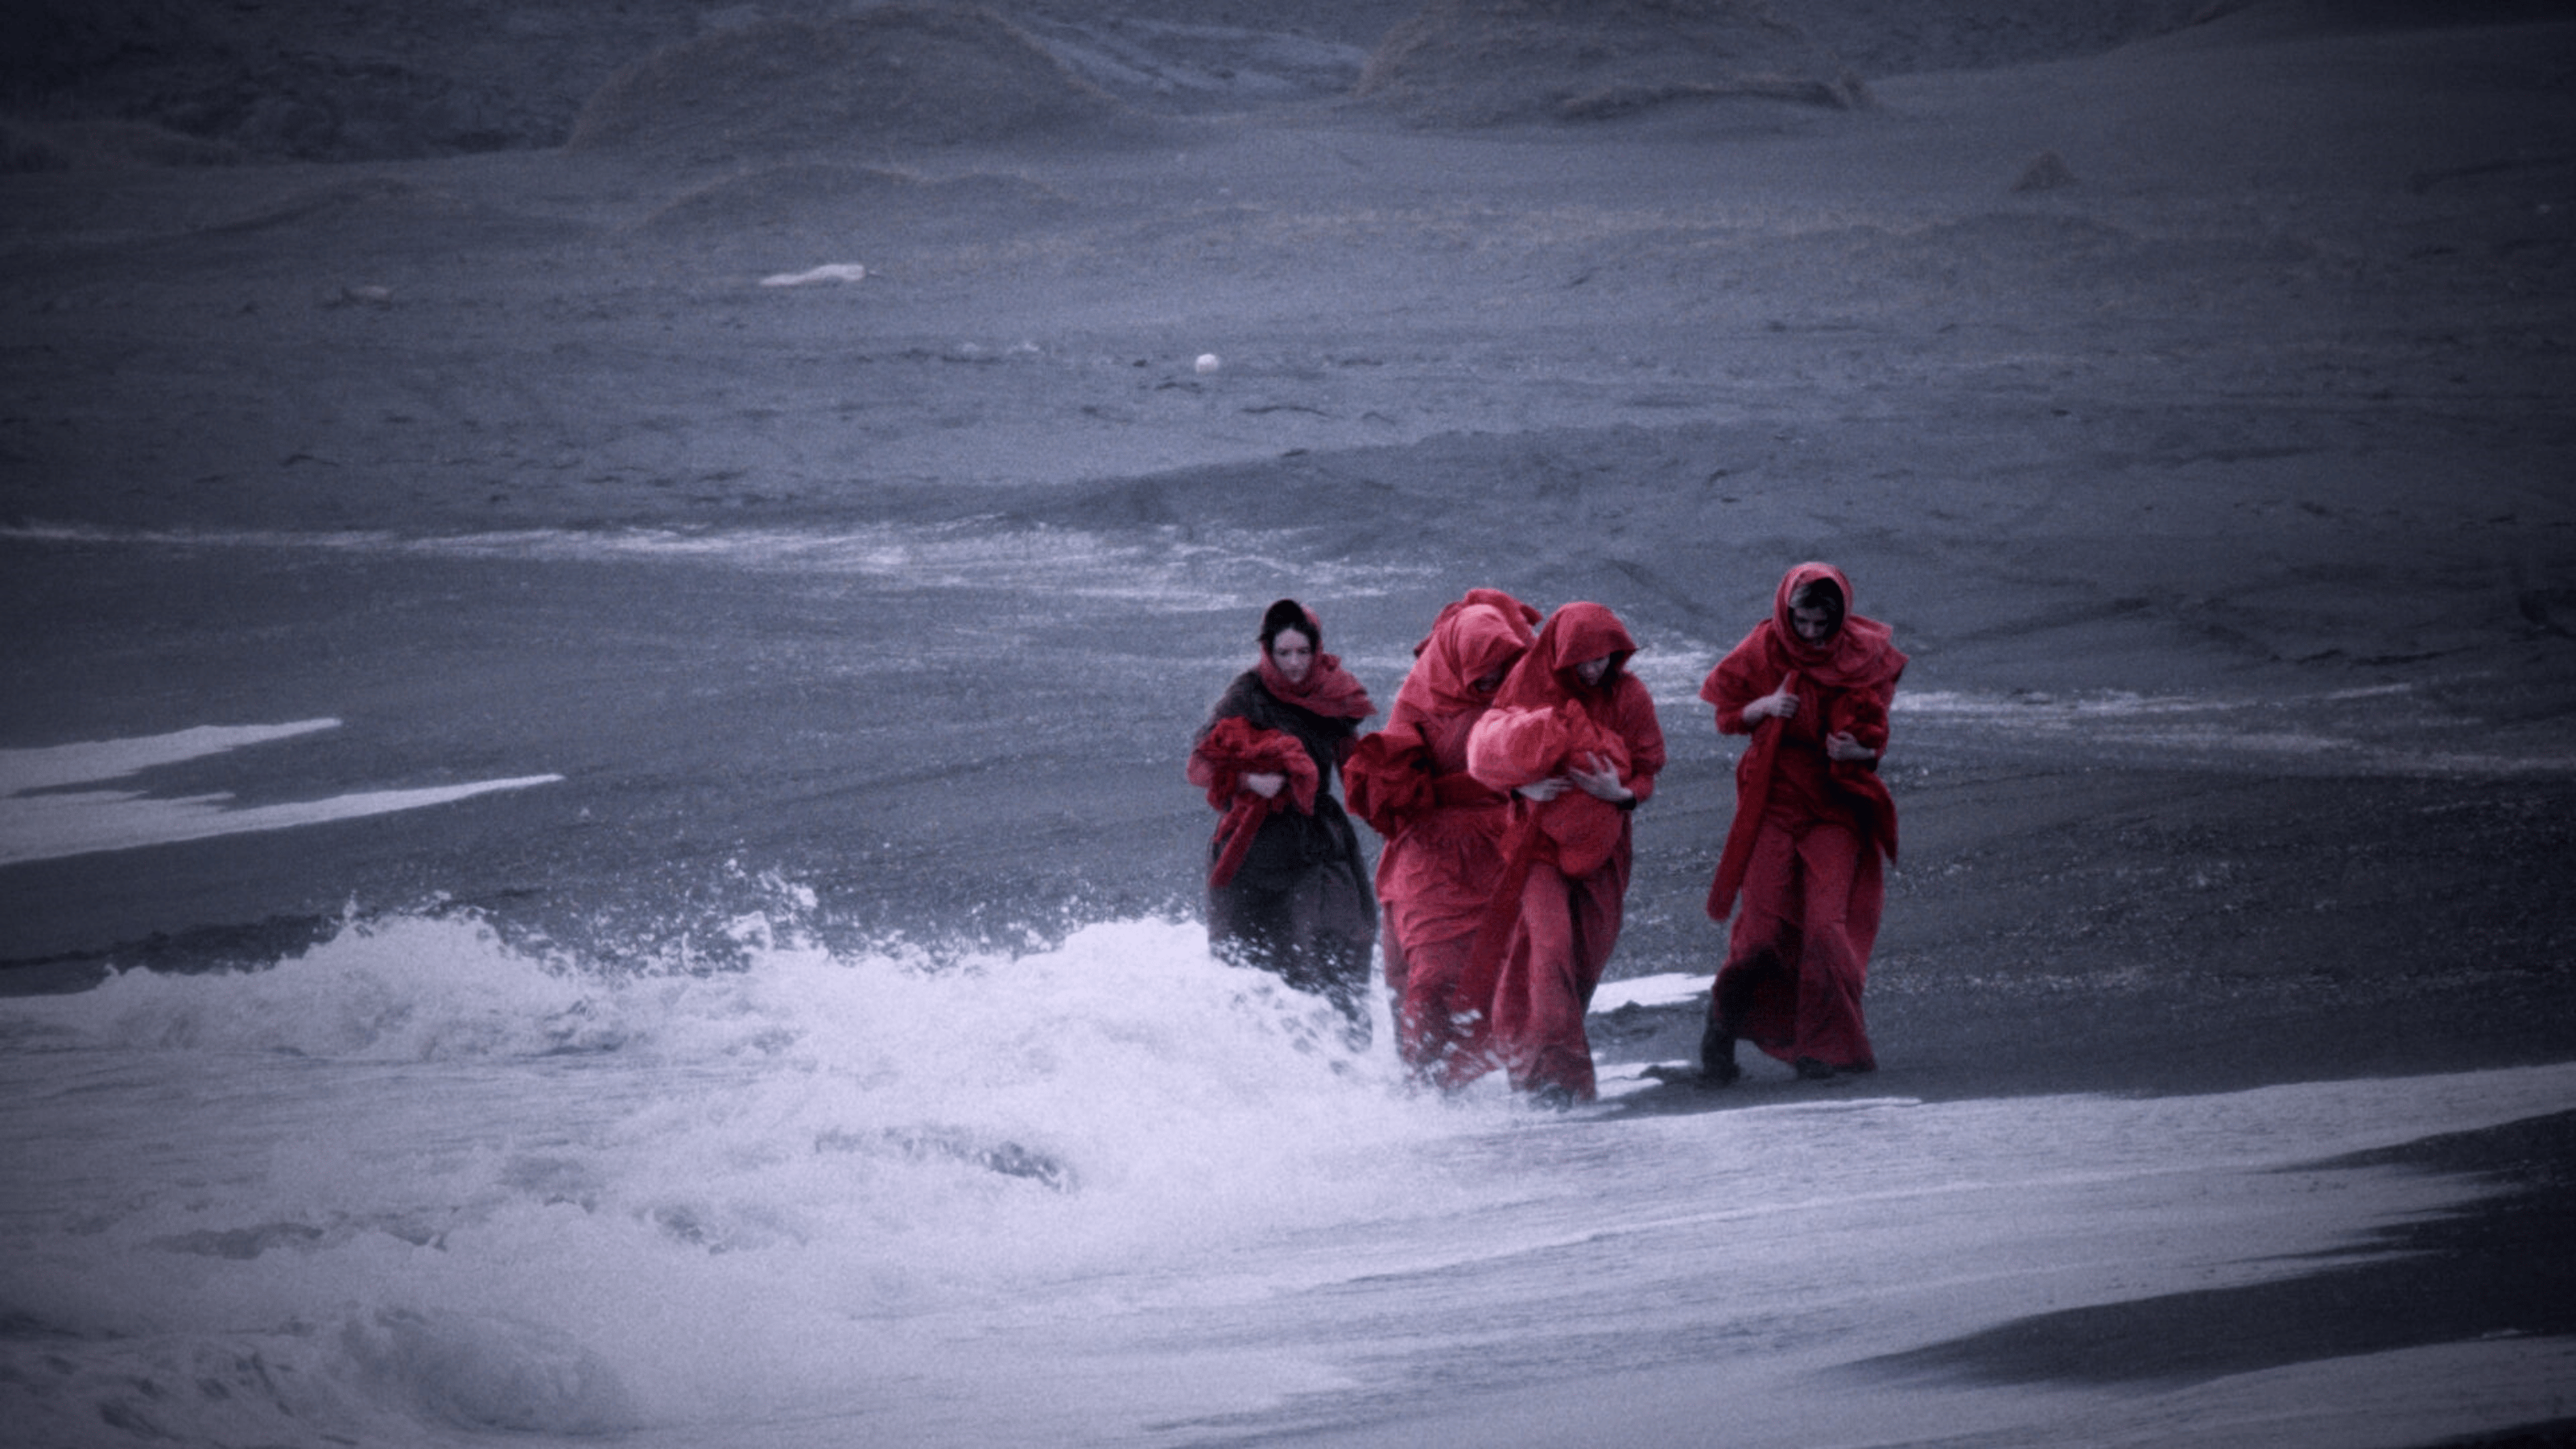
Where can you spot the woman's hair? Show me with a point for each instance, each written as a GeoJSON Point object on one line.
{"type": "Point", "coordinates": [1822, 594]}
{"type": "Point", "coordinates": [1289, 614]}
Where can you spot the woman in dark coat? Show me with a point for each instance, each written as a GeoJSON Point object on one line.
{"type": "Point", "coordinates": [1287, 891]}
{"type": "Point", "coordinates": [1812, 685]}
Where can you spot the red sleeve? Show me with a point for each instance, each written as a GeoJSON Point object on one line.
{"type": "Point", "coordinates": [1643, 734]}
{"type": "Point", "coordinates": [1731, 686]}
{"type": "Point", "coordinates": [1203, 772]}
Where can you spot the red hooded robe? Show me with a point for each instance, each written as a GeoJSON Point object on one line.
{"type": "Point", "coordinates": [1443, 828]}
{"type": "Point", "coordinates": [1557, 912]}
{"type": "Point", "coordinates": [1810, 897]}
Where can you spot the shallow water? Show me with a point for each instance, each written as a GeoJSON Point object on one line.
{"type": "Point", "coordinates": [732, 1098]}
{"type": "Point", "coordinates": [418, 1184]}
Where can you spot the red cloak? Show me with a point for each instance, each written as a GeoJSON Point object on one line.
{"type": "Point", "coordinates": [1801, 870]}
{"type": "Point", "coordinates": [1844, 685]}
{"type": "Point", "coordinates": [1555, 918]}
{"type": "Point", "coordinates": [1444, 828]}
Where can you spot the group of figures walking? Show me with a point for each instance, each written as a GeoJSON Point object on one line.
{"type": "Point", "coordinates": [1503, 785]}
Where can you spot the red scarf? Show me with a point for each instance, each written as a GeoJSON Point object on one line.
{"type": "Point", "coordinates": [1328, 689]}
{"type": "Point", "coordinates": [1859, 666]}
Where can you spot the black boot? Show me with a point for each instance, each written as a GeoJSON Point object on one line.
{"type": "Point", "coordinates": [1717, 1066]}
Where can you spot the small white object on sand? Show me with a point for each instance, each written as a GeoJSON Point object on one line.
{"type": "Point", "coordinates": [828, 272]}
{"type": "Point", "coordinates": [1209, 362]}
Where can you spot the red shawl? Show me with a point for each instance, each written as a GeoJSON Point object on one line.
{"type": "Point", "coordinates": [1236, 747]}
{"type": "Point", "coordinates": [1327, 689]}
{"type": "Point", "coordinates": [1848, 681]}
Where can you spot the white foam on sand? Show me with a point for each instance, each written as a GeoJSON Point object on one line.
{"type": "Point", "coordinates": [1167, 569]}
{"type": "Point", "coordinates": [1106, 1193]}
{"type": "Point", "coordinates": [57, 823]}
{"type": "Point", "coordinates": [1669, 989]}
{"type": "Point", "coordinates": [2389, 739]}
{"type": "Point", "coordinates": [828, 272]}
{"type": "Point", "coordinates": [49, 766]}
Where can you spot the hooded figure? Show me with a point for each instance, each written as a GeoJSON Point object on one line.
{"type": "Point", "coordinates": [1801, 873]}
{"type": "Point", "coordinates": [1444, 829]}
{"type": "Point", "coordinates": [1573, 736]}
{"type": "Point", "coordinates": [1286, 889]}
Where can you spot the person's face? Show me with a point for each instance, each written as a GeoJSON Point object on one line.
{"type": "Point", "coordinates": [1591, 670]}
{"type": "Point", "coordinates": [1293, 653]}
{"type": "Point", "coordinates": [1492, 679]}
{"type": "Point", "coordinates": [1813, 625]}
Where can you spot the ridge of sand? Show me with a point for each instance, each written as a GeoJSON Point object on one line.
{"type": "Point", "coordinates": [821, 196]}
{"type": "Point", "coordinates": [1481, 62]}
{"type": "Point", "coordinates": [892, 76]}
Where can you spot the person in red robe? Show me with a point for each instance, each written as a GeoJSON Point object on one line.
{"type": "Point", "coordinates": [1287, 890]}
{"type": "Point", "coordinates": [1573, 736]}
{"type": "Point", "coordinates": [1444, 829]}
{"type": "Point", "coordinates": [1812, 685]}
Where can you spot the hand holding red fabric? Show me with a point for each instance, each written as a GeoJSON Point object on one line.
{"type": "Point", "coordinates": [1511, 748]}
{"type": "Point", "coordinates": [1236, 747]}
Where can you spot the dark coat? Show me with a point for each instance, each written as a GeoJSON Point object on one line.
{"type": "Point", "coordinates": [1292, 843]}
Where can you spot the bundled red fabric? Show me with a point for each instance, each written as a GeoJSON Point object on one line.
{"type": "Point", "coordinates": [1515, 747]}
{"type": "Point", "coordinates": [1390, 781]}
{"type": "Point", "coordinates": [1845, 684]}
{"type": "Point", "coordinates": [1236, 747]}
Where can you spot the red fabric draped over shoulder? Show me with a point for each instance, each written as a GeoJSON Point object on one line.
{"type": "Point", "coordinates": [1847, 683]}
{"type": "Point", "coordinates": [1328, 689]}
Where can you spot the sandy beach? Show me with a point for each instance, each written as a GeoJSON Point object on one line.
{"type": "Point", "coordinates": [768, 463]}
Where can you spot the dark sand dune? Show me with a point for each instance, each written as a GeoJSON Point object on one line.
{"type": "Point", "coordinates": [893, 76]}
{"type": "Point", "coordinates": [1471, 62]}
{"type": "Point", "coordinates": [826, 198]}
